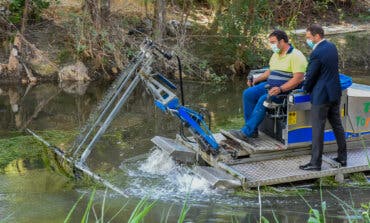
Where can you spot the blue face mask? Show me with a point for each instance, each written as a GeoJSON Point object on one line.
{"type": "Point", "coordinates": [274, 48]}
{"type": "Point", "coordinates": [310, 43]}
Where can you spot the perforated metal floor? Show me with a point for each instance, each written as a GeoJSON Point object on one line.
{"type": "Point", "coordinates": [263, 143]}
{"type": "Point", "coordinates": [285, 170]}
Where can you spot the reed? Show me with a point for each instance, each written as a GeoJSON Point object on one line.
{"type": "Point", "coordinates": [185, 209]}
{"type": "Point", "coordinates": [85, 217]}
{"type": "Point", "coordinates": [314, 215]}
{"type": "Point", "coordinates": [353, 214]}
{"type": "Point", "coordinates": [141, 210]}
{"type": "Point", "coordinates": [68, 218]}
{"type": "Point", "coordinates": [7, 218]}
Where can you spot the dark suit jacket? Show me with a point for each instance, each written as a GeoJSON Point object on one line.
{"type": "Point", "coordinates": [322, 76]}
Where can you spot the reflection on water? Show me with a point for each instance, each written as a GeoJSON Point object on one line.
{"type": "Point", "coordinates": [36, 194]}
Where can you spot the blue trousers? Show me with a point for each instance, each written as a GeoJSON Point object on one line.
{"type": "Point", "coordinates": [254, 111]}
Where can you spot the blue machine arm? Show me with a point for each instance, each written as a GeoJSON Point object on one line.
{"type": "Point", "coordinates": [194, 120]}
{"type": "Point", "coordinates": [197, 123]}
{"type": "Point", "coordinates": [167, 101]}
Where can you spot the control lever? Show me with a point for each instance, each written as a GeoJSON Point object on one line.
{"type": "Point", "coordinates": [268, 102]}
{"type": "Point", "coordinates": [250, 78]}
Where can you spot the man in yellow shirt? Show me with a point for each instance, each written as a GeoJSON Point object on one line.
{"type": "Point", "coordinates": [286, 72]}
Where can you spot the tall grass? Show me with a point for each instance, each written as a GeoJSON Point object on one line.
{"type": "Point", "coordinates": [315, 216]}
{"type": "Point", "coordinates": [184, 211]}
{"type": "Point", "coordinates": [141, 210]}
{"type": "Point", "coordinates": [85, 217]}
{"type": "Point", "coordinates": [7, 218]}
{"type": "Point", "coordinates": [353, 214]}
{"type": "Point", "coordinates": [366, 213]}
{"type": "Point", "coordinates": [68, 218]}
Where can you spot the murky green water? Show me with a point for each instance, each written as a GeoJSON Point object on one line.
{"type": "Point", "coordinates": [31, 190]}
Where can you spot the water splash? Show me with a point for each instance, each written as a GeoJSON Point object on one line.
{"type": "Point", "coordinates": [160, 177]}
{"type": "Point", "coordinates": [158, 163]}
{"type": "Point", "coordinates": [190, 182]}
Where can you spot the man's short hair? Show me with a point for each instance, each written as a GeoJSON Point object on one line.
{"type": "Point", "coordinates": [316, 29]}
{"type": "Point", "coordinates": [280, 34]}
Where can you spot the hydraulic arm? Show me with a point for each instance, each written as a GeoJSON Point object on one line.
{"type": "Point", "coordinates": [160, 88]}
{"type": "Point", "coordinates": [139, 69]}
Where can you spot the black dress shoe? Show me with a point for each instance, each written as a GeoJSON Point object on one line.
{"type": "Point", "coordinates": [309, 166]}
{"type": "Point", "coordinates": [238, 134]}
{"type": "Point", "coordinates": [342, 162]}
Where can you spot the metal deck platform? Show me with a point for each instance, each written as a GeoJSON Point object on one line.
{"type": "Point", "coordinates": [286, 170]}
{"type": "Point", "coordinates": [262, 144]}
{"type": "Point", "coordinates": [265, 168]}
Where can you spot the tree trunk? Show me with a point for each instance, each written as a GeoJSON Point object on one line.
{"type": "Point", "coordinates": [184, 18]}
{"type": "Point", "coordinates": [99, 11]}
{"type": "Point", "coordinates": [160, 20]}
{"type": "Point", "coordinates": [105, 9]}
{"type": "Point", "coordinates": [220, 5]}
{"type": "Point", "coordinates": [25, 16]}
{"type": "Point", "coordinates": [146, 8]}
{"type": "Point", "coordinates": [91, 7]}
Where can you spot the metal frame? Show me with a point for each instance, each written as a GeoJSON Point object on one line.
{"type": "Point", "coordinates": [138, 70]}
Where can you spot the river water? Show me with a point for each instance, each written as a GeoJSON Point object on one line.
{"type": "Point", "coordinates": [34, 191]}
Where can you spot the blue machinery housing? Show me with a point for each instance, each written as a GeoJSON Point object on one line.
{"type": "Point", "coordinates": [303, 133]}
{"type": "Point", "coordinates": [193, 119]}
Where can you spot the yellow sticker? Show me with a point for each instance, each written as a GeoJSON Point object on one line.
{"type": "Point", "coordinates": [292, 118]}
{"type": "Point", "coordinates": [342, 112]}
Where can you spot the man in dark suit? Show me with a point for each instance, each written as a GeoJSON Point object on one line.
{"type": "Point", "coordinates": [322, 82]}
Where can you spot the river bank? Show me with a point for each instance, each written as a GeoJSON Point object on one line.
{"type": "Point", "coordinates": [66, 35]}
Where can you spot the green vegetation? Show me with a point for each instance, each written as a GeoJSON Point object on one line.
{"type": "Point", "coordinates": [26, 147]}
{"type": "Point", "coordinates": [273, 191]}
{"type": "Point", "coordinates": [68, 218]}
{"type": "Point", "coordinates": [185, 209]}
{"type": "Point", "coordinates": [366, 212]}
{"type": "Point", "coordinates": [353, 50]}
{"type": "Point", "coordinates": [243, 25]}
{"type": "Point", "coordinates": [19, 147]}
{"type": "Point", "coordinates": [85, 217]}
{"type": "Point", "coordinates": [327, 182]}
{"type": "Point", "coordinates": [235, 30]}
{"type": "Point", "coordinates": [6, 219]}
{"type": "Point", "coordinates": [352, 213]}
{"type": "Point", "coordinates": [141, 210]}
{"type": "Point", "coordinates": [36, 7]}
{"type": "Point", "coordinates": [359, 178]}
{"type": "Point", "coordinates": [231, 123]}
{"type": "Point", "coordinates": [355, 180]}
{"type": "Point", "coordinates": [138, 215]}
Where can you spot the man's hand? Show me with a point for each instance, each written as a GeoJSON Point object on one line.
{"type": "Point", "coordinates": [259, 79]}
{"type": "Point", "coordinates": [274, 91]}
